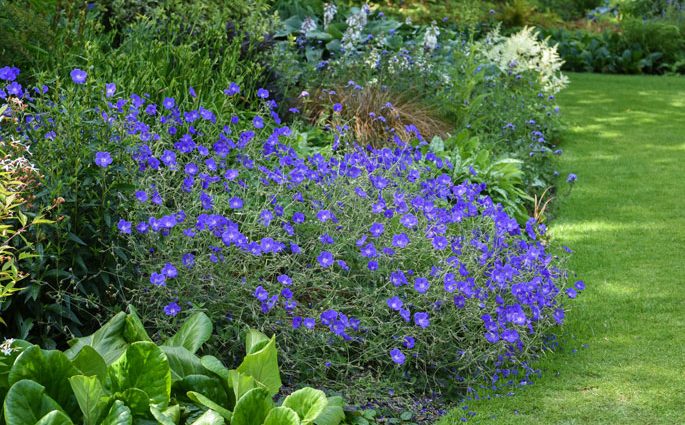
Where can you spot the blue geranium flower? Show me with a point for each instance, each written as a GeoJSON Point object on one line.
{"type": "Point", "coordinates": [397, 356]}
{"type": "Point", "coordinates": [103, 159]}
{"type": "Point", "coordinates": [172, 309]}
{"type": "Point", "coordinates": [78, 76]}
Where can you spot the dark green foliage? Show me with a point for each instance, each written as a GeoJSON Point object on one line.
{"type": "Point", "coordinates": [142, 381]}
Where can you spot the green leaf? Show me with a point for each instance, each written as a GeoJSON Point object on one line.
{"type": "Point", "coordinates": [163, 418]}
{"type": "Point", "coordinates": [118, 414]}
{"type": "Point", "coordinates": [194, 332]}
{"type": "Point", "coordinates": [262, 365]}
{"type": "Point", "coordinates": [91, 396]}
{"type": "Point", "coordinates": [282, 416]}
{"type": "Point", "coordinates": [133, 329]}
{"type": "Point", "coordinates": [333, 414]}
{"type": "Point", "coordinates": [210, 417]}
{"type": "Point", "coordinates": [26, 402]}
{"type": "Point", "coordinates": [135, 399]}
{"type": "Point", "coordinates": [206, 402]}
{"type": "Point", "coordinates": [241, 383]}
{"type": "Point", "coordinates": [55, 418]}
{"type": "Point", "coordinates": [255, 340]}
{"type": "Point", "coordinates": [90, 363]}
{"type": "Point", "coordinates": [210, 387]}
{"type": "Point", "coordinates": [76, 239]}
{"type": "Point", "coordinates": [182, 363]}
{"type": "Point", "coordinates": [143, 366]}
{"type": "Point", "coordinates": [309, 403]}
{"type": "Point", "coordinates": [252, 408]}
{"type": "Point", "coordinates": [108, 341]}
{"type": "Point", "coordinates": [213, 364]}
{"type": "Point", "coordinates": [52, 369]}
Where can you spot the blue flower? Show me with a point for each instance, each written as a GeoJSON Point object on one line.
{"type": "Point", "coordinates": [409, 342]}
{"type": "Point", "coordinates": [510, 335]}
{"type": "Point", "coordinates": [78, 76]}
{"type": "Point", "coordinates": [397, 356]}
{"type": "Point", "coordinates": [103, 159]}
{"type": "Point", "coordinates": [157, 279]}
{"type": "Point", "coordinates": [377, 229]}
{"type": "Point", "coordinates": [284, 279]}
{"type": "Point", "coordinates": [421, 320]}
{"type": "Point", "coordinates": [400, 240]}
{"type": "Point", "coordinates": [337, 107]}
{"type": "Point", "coordinates": [124, 226]}
{"type": "Point", "coordinates": [258, 122]}
{"type": "Point", "coordinates": [9, 73]}
{"type": "Point", "coordinates": [261, 294]}
{"type": "Point", "coordinates": [172, 309]}
{"type": "Point", "coordinates": [395, 303]}
{"type": "Point", "coordinates": [309, 322]}
{"type": "Point", "coordinates": [580, 285]}
{"type": "Point", "coordinates": [169, 102]}
{"type": "Point", "coordinates": [263, 93]}
{"type": "Point", "coordinates": [235, 203]}
{"type": "Point", "coordinates": [325, 259]}
{"type": "Point", "coordinates": [170, 271]}
{"type": "Point", "coordinates": [421, 285]}
{"type": "Point", "coordinates": [110, 89]}
{"type": "Point", "coordinates": [571, 178]}
{"type": "Point", "coordinates": [232, 89]}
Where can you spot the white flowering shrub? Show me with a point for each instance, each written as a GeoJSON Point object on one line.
{"type": "Point", "coordinates": [524, 51]}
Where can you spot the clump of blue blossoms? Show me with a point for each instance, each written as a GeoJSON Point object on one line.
{"type": "Point", "coordinates": [368, 262]}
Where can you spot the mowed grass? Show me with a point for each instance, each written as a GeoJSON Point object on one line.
{"type": "Point", "coordinates": [625, 219]}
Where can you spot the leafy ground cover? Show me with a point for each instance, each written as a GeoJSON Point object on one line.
{"type": "Point", "coordinates": [624, 354]}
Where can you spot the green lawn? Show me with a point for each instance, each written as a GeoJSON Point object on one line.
{"type": "Point", "coordinates": [625, 220]}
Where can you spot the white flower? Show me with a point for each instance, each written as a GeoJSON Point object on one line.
{"type": "Point", "coordinates": [304, 93]}
{"type": "Point", "coordinates": [329, 11]}
{"type": "Point", "coordinates": [308, 25]}
{"type": "Point", "coordinates": [430, 38]}
{"type": "Point", "coordinates": [6, 346]}
{"type": "Point", "coordinates": [523, 52]}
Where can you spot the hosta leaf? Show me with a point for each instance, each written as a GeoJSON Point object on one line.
{"type": "Point", "coordinates": [108, 341]}
{"type": "Point", "coordinates": [210, 404]}
{"type": "Point", "coordinates": [118, 414]}
{"type": "Point", "coordinates": [210, 417]}
{"type": "Point", "coordinates": [90, 363]}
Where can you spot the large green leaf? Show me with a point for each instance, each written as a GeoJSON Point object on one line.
{"type": "Point", "coordinates": [194, 332]}
{"type": "Point", "coordinates": [255, 341]}
{"type": "Point", "coordinates": [55, 418]}
{"type": "Point", "coordinates": [90, 363]}
{"type": "Point", "coordinates": [182, 363]}
{"type": "Point", "coordinates": [171, 413]}
{"type": "Point", "coordinates": [164, 418]}
{"type": "Point", "coordinates": [333, 414]}
{"type": "Point", "coordinates": [143, 366]}
{"type": "Point", "coordinates": [210, 404]}
{"type": "Point", "coordinates": [133, 328]}
{"type": "Point", "coordinates": [241, 383]}
{"type": "Point", "coordinates": [118, 414]}
{"type": "Point", "coordinates": [52, 369]}
{"type": "Point", "coordinates": [213, 364]}
{"type": "Point", "coordinates": [6, 362]}
{"type": "Point", "coordinates": [252, 408]}
{"type": "Point", "coordinates": [282, 416]}
{"type": "Point", "coordinates": [309, 403]}
{"type": "Point", "coordinates": [27, 402]}
{"type": "Point", "coordinates": [262, 365]}
{"type": "Point", "coordinates": [91, 396]}
{"type": "Point", "coordinates": [210, 417]}
{"type": "Point", "coordinates": [137, 400]}
{"type": "Point", "coordinates": [208, 386]}
{"type": "Point", "coordinates": [108, 341]}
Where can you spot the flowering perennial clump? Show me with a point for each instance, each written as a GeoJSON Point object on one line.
{"type": "Point", "coordinates": [364, 261]}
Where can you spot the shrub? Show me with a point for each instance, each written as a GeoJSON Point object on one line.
{"type": "Point", "coordinates": [117, 375]}
{"type": "Point", "coordinates": [229, 219]}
